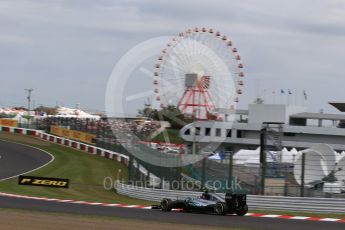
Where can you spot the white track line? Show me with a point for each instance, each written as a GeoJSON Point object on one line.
{"type": "Point", "coordinates": [30, 171]}
{"type": "Point", "coordinates": [271, 216]}
{"type": "Point", "coordinates": [299, 217]}
{"type": "Point", "coordinates": [330, 219]}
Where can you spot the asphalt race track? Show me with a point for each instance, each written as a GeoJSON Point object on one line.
{"type": "Point", "coordinates": [16, 159]}
{"type": "Point", "coordinates": [173, 217]}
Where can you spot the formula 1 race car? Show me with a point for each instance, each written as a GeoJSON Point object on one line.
{"type": "Point", "coordinates": [209, 203]}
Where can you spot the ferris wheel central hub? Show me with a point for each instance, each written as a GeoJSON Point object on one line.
{"type": "Point", "coordinates": [191, 79]}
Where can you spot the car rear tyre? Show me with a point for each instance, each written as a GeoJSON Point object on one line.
{"type": "Point", "coordinates": [243, 211]}
{"type": "Point", "coordinates": [166, 205]}
{"type": "Point", "coordinates": [186, 207]}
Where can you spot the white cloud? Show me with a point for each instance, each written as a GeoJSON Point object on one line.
{"type": "Point", "coordinates": [13, 39]}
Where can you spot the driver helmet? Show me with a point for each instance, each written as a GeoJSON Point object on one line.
{"type": "Point", "coordinates": [205, 194]}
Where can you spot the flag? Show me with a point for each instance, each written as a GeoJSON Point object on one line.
{"type": "Point", "coordinates": [305, 95]}
{"type": "Point", "coordinates": [289, 91]}
{"type": "Point", "coordinates": [282, 91]}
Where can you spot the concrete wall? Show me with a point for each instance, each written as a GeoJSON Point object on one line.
{"type": "Point", "coordinates": [259, 113]}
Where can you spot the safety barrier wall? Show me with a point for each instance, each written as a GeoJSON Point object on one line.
{"type": "Point", "coordinates": [69, 143]}
{"type": "Point", "coordinates": [302, 204]}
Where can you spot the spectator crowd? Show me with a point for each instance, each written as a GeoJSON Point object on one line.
{"type": "Point", "coordinates": [104, 128]}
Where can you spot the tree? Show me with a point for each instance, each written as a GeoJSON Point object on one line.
{"type": "Point", "coordinates": [174, 116]}
{"type": "Point", "coordinates": [259, 101]}
{"type": "Point", "coordinates": [20, 108]}
{"type": "Point", "coordinates": [170, 114]}
{"type": "Point", "coordinates": [47, 110]}
{"type": "Point", "coordinates": [148, 112]}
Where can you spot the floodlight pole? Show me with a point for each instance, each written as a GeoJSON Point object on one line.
{"type": "Point", "coordinates": [29, 98]}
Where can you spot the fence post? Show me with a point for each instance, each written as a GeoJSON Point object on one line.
{"type": "Point", "coordinates": [130, 166]}
{"type": "Point", "coordinates": [231, 156]}
{"type": "Point", "coordinates": [263, 159]}
{"type": "Point", "coordinates": [137, 171]}
{"type": "Point", "coordinates": [203, 172]}
{"type": "Point", "coordinates": [302, 174]}
{"type": "Point", "coordinates": [148, 179]}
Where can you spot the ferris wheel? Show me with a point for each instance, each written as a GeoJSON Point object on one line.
{"type": "Point", "coordinates": [200, 72]}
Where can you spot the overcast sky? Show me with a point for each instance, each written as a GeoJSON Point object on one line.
{"type": "Point", "coordinates": [67, 49]}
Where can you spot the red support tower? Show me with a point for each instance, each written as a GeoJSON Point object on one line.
{"type": "Point", "coordinates": [196, 99]}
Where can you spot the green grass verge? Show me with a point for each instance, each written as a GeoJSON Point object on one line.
{"type": "Point", "coordinates": [173, 134]}
{"type": "Point", "coordinates": [85, 171]}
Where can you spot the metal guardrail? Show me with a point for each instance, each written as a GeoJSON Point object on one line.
{"type": "Point", "coordinates": [277, 203]}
